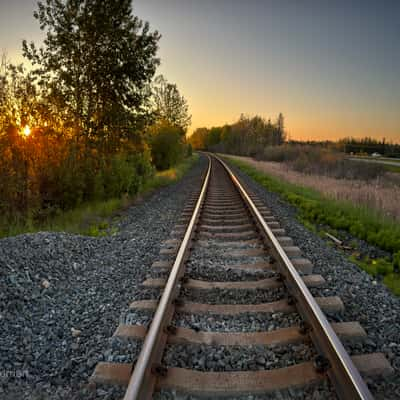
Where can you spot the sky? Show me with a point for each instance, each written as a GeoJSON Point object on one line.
{"type": "Point", "coordinates": [331, 67]}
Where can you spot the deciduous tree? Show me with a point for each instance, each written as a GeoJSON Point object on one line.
{"type": "Point", "coordinates": [95, 64]}
{"type": "Point", "coordinates": [169, 104]}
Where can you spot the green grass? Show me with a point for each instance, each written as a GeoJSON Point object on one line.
{"type": "Point", "coordinates": [361, 222]}
{"type": "Point", "coordinates": [380, 268]}
{"type": "Point", "coordinates": [396, 160]}
{"type": "Point", "coordinates": [392, 168]}
{"type": "Point", "coordinates": [95, 218]}
{"type": "Point", "coordinates": [168, 176]}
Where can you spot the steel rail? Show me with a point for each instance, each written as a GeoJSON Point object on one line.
{"type": "Point", "coordinates": [344, 375]}
{"type": "Point", "coordinates": [141, 383]}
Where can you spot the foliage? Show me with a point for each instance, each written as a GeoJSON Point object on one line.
{"type": "Point", "coordinates": [45, 172]}
{"type": "Point", "coordinates": [93, 218]}
{"type": "Point", "coordinates": [245, 137]}
{"type": "Point", "coordinates": [382, 269]}
{"type": "Point", "coordinates": [198, 138]}
{"type": "Point", "coordinates": [18, 96]}
{"type": "Point", "coordinates": [318, 160]}
{"type": "Point", "coordinates": [369, 145]}
{"type": "Point", "coordinates": [166, 143]}
{"type": "Point", "coordinates": [95, 64]}
{"type": "Point", "coordinates": [169, 105]}
{"type": "Point", "coordinates": [87, 101]}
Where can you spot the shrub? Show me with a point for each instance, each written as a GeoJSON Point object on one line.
{"type": "Point", "coordinates": [166, 143]}
{"type": "Point", "coordinates": [189, 151]}
{"type": "Point", "coordinates": [281, 153]}
{"type": "Point", "coordinates": [396, 262]}
{"type": "Point", "coordinates": [320, 161]}
{"type": "Point", "coordinates": [46, 173]}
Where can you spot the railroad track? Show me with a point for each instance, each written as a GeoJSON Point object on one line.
{"type": "Point", "coordinates": [229, 260]}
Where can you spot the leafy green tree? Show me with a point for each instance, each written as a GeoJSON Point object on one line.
{"type": "Point", "coordinates": [279, 134]}
{"type": "Point", "coordinates": [198, 138]}
{"type": "Point", "coordinates": [166, 144]}
{"type": "Point", "coordinates": [95, 65]}
{"type": "Point", "coordinates": [169, 105]}
{"type": "Point", "coordinates": [213, 137]}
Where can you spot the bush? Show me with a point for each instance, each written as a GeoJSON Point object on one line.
{"type": "Point", "coordinates": [281, 153]}
{"type": "Point", "coordinates": [318, 160]}
{"type": "Point", "coordinates": [124, 175]}
{"type": "Point", "coordinates": [166, 143]}
{"type": "Point", "coordinates": [45, 173]}
{"type": "Point", "coordinates": [189, 151]}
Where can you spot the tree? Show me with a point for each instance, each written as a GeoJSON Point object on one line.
{"type": "Point", "coordinates": [18, 96]}
{"type": "Point", "coordinates": [213, 137]}
{"type": "Point", "coordinates": [198, 138]}
{"type": "Point", "coordinates": [166, 144]}
{"type": "Point", "coordinates": [95, 65]}
{"type": "Point", "coordinates": [169, 105]}
{"type": "Point", "coordinates": [280, 135]}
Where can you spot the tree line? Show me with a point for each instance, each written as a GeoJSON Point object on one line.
{"type": "Point", "coordinates": [369, 146]}
{"type": "Point", "coordinates": [245, 137]}
{"type": "Point", "coordinates": [90, 120]}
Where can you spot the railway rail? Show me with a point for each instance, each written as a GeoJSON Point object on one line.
{"type": "Point", "coordinates": [225, 219]}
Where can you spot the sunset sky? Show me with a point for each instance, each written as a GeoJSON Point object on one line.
{"type": "Point", "coordinates": [331, 67]}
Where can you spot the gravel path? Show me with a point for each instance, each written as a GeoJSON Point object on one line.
{"type": "Point", "coordinates": [61, 294]}
{"type": "Point", "coordinates": [366, 301]}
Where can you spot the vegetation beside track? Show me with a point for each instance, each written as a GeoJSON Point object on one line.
{"type": "Point", "coordinates": [94, 218]}
{"type": "Point", "coordinates": [80, 138]}
{"type": "Point", "coordinates": [360, 222]}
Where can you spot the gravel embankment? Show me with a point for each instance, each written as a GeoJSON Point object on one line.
{"type": "Point", "coordinates": [61, 295]}
{"type": "Point", "coordinates": [366, 300]}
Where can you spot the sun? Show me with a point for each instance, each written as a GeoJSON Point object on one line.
{"type": "Point", "coordinates": [26, 131]}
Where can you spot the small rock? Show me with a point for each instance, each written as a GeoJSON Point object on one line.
{"type": "Point", "coordinates": [75, 332]}
{"type": "Point", "coordinates": [45, 283]}
{"type": "Point", "coordinates": [74, 346]}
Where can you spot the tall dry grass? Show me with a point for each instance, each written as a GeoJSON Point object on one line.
{"type": "Point", "coordinates": [381, 194]}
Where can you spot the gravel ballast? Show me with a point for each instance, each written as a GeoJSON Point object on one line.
{"type": "Point", "coordinates": [61, 294]}
{"type": "Point", "coordinates": [236, 358]}
{"type": "Point", "coordinates": [246, 322]}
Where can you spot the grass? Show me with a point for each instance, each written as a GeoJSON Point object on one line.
{"type": "Point", "coordinates": [168, 176]}
{"type": "Point", "coordinates": [95, 218]}
{"type": "Point", "coordinates": [392, 168]}
{"type": "Point", "coordinates": [397, 160]}
{"type": "Point", "coordinates": [382, 269]}
{"type": "Point", "coordinates": [381, 194]}
{"type": "Point", "coordinates": [361, 222]}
